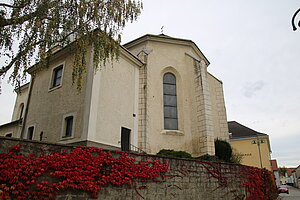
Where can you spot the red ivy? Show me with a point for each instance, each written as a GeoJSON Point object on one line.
{"type": "Point", "coordinates": [259, 183]}
{"type": "Point", "coordinates": [15, 148]}
{"type": "Point", "coordinates": [90, 168]}
{"type": "Point", "coordinates": [86, 169]}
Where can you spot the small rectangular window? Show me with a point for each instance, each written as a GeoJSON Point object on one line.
{"type": "Point", "coordinates": [8, 135]}
{"type": "Point", "coordinates": [57, 76]}
{"type": "Point", "coordinates": [68, 126]}
{"type": "Point", "coordinates": [30, 132]}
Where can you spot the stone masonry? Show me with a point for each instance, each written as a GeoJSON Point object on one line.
{"type": "Point", "coordinates": [204, 115]}
{"type": "Point", "coordinates": [185, 179]}
{"type": "Point", "coordinates": [142, 103]}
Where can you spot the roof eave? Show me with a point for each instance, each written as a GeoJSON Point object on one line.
{"type": "Point", "coordinates": [167, 39]}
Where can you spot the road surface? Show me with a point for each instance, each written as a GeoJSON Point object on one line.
{"type": "Point", "coordinates": [294, 194]}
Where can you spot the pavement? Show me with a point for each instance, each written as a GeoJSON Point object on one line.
{"type": "Point", "coordinates": [294, 194]}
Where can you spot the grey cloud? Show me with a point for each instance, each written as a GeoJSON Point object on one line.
{"type": "Point", "coordinates": [250, 89]}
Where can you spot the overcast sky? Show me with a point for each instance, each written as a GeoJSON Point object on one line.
{"type": "Point", "coordinates": [252, 49]}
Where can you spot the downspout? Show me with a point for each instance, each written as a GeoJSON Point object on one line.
{"type": "Point", "coordinates": [258, 145]}
{"type": "Point", "coordinates": [26, 107]}
{"type": "Point", "coordinates": [146, 90]}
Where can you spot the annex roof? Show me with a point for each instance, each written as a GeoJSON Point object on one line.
{"type": "Point", "coordinates": [238, 130]}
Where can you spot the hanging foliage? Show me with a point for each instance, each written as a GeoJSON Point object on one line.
{"type": "Point", "coordinates": [31, 28]}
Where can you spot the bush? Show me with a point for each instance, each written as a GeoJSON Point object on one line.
{"type": "Point", "coordinates": [223, 150]}
{"type": "Point", "coordinates": [172, 153]}
{"type": "Point", "coordinates": [236, 157]}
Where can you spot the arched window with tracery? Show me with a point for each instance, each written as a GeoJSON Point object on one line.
{"type": "Point", "coordinates": [170, 102]}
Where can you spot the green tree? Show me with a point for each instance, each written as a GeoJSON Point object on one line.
{"type": "Point", "coordinates": [282, 170]}
{"type": "Point", "coordinates": [30, 28]}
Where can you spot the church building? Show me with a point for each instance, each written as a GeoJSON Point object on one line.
{"type": "Point", "coordinates": [157, 95]}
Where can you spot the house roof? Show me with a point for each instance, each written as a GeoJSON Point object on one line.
{"type": "Point", "coordinates": [167, 39]}
{"type": "Point", "coordinates": [22, 88]}
{"type": "Point", "coordinates": [238, 130]}
{"type": "Point", "coordinates": [289, 171]}
{"type": "Point", "coordinates": [11, 123]}
{"type": "Point", "coordinates": [274, 165]}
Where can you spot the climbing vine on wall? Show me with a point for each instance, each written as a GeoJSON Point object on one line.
{"type": "Point", "coordinates": [89, 169]}
{"type": "Point", "coordinates": [259, 183]}
{"type": "Point", "coordinates": [86, 169]}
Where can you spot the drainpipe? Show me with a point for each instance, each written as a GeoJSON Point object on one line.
{"type": "Point", "coordinates": [258, 146]}
{"type": "Point", "coordinates": [26, 107]}
{"type": "Point", "coordinates": [145, 97]}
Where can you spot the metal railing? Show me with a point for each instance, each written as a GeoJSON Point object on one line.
{"type": "Point", "coordinates": [136, 149]}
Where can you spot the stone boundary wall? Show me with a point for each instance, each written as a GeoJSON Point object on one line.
{"type": "Point", "coordinates": [185, 179]}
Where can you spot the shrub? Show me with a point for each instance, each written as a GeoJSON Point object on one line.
{"type": "Point", "coordinates": [172, 153]}
{"type": "Point", "coordinates": [223, 150]}
{"type": "Point", "coordinates": [236, 157]}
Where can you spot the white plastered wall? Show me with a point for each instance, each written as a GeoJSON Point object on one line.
{"type": "Point", "coordinates": [114, 102]}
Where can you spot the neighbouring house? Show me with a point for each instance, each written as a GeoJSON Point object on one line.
{"type": "Point", "coordinates": [157, 95]}
{"type": "Point", "coordinates": [296, 176]}
{"type": "Point", "coordinates": [275, 171]}
{"type": "Point", "coordinates": [287, 178]}
{"type": "Point", "coordinates": [253, 146]}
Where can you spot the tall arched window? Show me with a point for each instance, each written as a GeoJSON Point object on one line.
{"type": "Point", "coordinates": [170, 102]}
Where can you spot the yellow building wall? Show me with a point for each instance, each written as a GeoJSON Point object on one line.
{"type": "Point", "coordinates": [200, 101]}
{"type": "Point", "coordinates": [47, 107]}
{"type": "Point", "coordinates": [282, 179]}
{"type": "Point", "coordinates": [250, 151]}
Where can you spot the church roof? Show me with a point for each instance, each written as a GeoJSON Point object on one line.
{"type": "Point", "coordinates": [168, 39]}
{"type": "Point", "coordinates": [238, 130]}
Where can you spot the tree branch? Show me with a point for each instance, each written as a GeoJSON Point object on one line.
{"type": "Point", "coordinates": [7, 5]}
{"type": "Point", "coordinates": [6, 22]}
{"type": "Point", "coordinates": [3, 70]}
{"type": "Point", "coordinates": [11, 6]}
